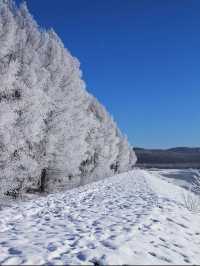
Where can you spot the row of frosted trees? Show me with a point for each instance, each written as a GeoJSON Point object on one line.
{"type": "Point", "coordinates": [53, 133]}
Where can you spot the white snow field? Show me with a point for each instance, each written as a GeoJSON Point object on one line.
{"type": "Point", "coordinates": [131, 218]}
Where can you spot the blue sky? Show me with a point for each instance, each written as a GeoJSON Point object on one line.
{"type": "Point", "coordinates": [140, 58]}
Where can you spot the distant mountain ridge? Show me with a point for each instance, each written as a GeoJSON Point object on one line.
{"type": "Point", "coordinates": [177, 157]}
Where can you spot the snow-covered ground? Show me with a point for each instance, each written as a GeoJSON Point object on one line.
{"type": "Point", "coordinates": [132, 218]}
{"type": "Point", "coordinates": [180, 177]}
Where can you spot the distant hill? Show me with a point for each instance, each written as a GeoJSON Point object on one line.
{"type": "Point", "coordinates": [178, 157]}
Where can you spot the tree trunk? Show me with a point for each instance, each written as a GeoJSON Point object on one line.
{"type": "Point", "coordinates": [43, 180]}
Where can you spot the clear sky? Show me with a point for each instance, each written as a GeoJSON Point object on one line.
{"type": "Point", "coordinates": [140, 58]}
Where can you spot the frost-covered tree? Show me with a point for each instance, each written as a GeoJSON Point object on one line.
{"type": "Point", "coordinates": [23, 97]}
{"type": "Point", "coordinates": [53, 133]}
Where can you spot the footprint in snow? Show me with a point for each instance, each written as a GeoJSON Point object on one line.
{"type": "Point", "coordinates": [14, 251]}
{"type": "Point", "coordinates": [51, 247]}
{"type": "Point", "coordinates": [108, 245]}
{"type": "Point", "coordinates": [160, 257]}
{"type": "Point", "coordinates": [81, 256]}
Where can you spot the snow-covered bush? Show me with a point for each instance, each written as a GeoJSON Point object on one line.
{"type": "Point", "coordinates": [191, 201]}
{"type": "Point", "coordinates": [192, 197]}
{"type": "Point", "coordinates": [49, 123]}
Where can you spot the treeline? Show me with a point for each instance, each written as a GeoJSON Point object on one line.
{"type": "Point", "coordinates": [53, 133]}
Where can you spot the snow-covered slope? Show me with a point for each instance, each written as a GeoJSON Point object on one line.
{"type": "Point", "coordinates": [132, 218]}
{"type": "Point", "coordinates": [180, 177]}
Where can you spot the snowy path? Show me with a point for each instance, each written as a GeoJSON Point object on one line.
{"type": "Point", "coordinates": [125, 219]}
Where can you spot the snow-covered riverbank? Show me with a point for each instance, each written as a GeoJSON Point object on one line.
{"type": "Point", "coordinates": [132, 218]}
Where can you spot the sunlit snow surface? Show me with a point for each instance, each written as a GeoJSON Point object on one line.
{"type": "Point", "coordinates": [132, 218]}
